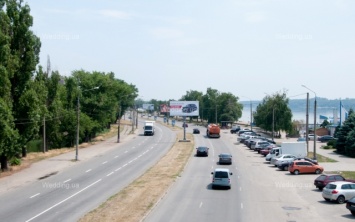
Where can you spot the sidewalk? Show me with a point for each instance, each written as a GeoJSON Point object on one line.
{"type": "Point", "coordinates": [60, 162]}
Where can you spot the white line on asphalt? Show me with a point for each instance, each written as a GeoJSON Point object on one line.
{"type": "Point", "coordinates": [241, 205]}
{"type": "Point", "coordinates": [116, 156]}
{"type": "Point", "coordinates": [135, 158]}
{"type": "Point", "coordinates": [87, 171]}
{"type": "Point", "coordinates": [130, 161]}
{"type": "Point", "coordinates": [126, 151]}
{"type": "Point", "coordinates": [35, 195]}
{"type": "Point", "coordinates": [125, 165]}
{"type": "Point", "coordinates": [104, 162]}
{"type": "Point", "coordinates": [118, 169]}
{"type": "Point", "coordinates": [109, 174]}
{"type": "Point", "coordinates": [238, 177]}
{"type": "Point", "coordinates": [67, 181]}
{"type": "Point", "coordinates": [200, 204]}
{"type": "Point", "coordinates": [133, 147]}
{"type": "Point", "coordinates": [139, 156]}
{"type": "Point", "coordinates": [50, 208]}
{"type": "Point", "coordinates": [240, 188]}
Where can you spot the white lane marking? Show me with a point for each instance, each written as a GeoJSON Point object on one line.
{"type": "Point", "coordinates": [104, 162]}
{"type": "Point", "coordinates": [139, 156]}
{"type": "Point", "coordinates": [240, 188]}
{"type": "Point", "coordinates": [118, 169]}
{"type": "Point", "coordinates": [35, 195]}
{"type": "Point", "coordinates": [126, 151]}
{"type": "Point", "coordinates": [130, 161]}
{"type": "Point", "coordinates": [201, 204]}
{"type": "Point", "coordinates": [50, 208]}
{"type": "Point", "coordinates": [116, 156]}
{"type": "Point", "coordinates": [133, 147]}
{"type": "Point", "coordinates": [109, 174]}
{"type": "Point", "coordinates": [67, 181]}
{"type": "Point", "coordinates": [88, 171]}
{"type": "Point", "coordinates": [135, 158]}
{"type": "Point", "coordinates": [241, 205]}
{"type": "Point", "coordinates": [125, 165]}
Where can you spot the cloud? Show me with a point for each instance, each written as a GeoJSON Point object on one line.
{"type": "Point", "coordinates": [167, 33]}
{"type": "Point", "coordinates": [255, 17]}
{"type": "Point", "coordinates": [115, 14]}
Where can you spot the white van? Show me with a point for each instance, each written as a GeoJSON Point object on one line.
{"type": "Point", "coordinates": [221, 178]}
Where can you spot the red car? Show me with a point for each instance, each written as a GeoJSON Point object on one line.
{"type": "Point", "coordinates": [322, 181]}
{"type": "Point", "coordinates": [265, 151]}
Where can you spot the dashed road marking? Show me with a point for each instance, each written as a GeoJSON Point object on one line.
{"type": "Point", "coordinates": [104, 162]}
{"type": "Point", "coordinates": [109, 174]}
{"type": "Point", "coordinates": [35, 195]}
{"type": "Point", "coordinates": [88, 171]}
{"type": "Point", "coordinates": [67, 180]}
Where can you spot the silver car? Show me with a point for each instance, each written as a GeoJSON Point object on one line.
{"type": "Point", "coordinates": [282, 158]}
{"type": "Point", "coordinates": [339, 191]}
{"type": "Point", "coordinates": [221, 178]}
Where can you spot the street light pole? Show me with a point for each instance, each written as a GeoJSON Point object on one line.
{"type": "Point", "coordinates": [273, 122]}
{"type": "Point", "coordinates": [307, 122]}
{"type": "Point", "coordinates": [314, 124]}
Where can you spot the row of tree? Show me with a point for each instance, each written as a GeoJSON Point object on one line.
{"type": "Point", "coordinates": [34, 102]}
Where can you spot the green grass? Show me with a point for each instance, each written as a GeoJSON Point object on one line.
{"type": "Point", "coordinates": [322, 159]}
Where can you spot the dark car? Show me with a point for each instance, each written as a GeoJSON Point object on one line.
{"type": "Point", "coordinates": [326, 138]}
{"type": "Point", "coordinates": [225, 158]}
{"type": "Point", "coordinates": [202, 151]}
{"type": "Point", "coordinates": [235, 129]}
{"type": "Point", "coordinates": [322, 181]}
{"type": "Point", "coordinates": [350, 205]}
{"type": "Point", "coordinates": [196, 131]}
{"type": "Point", "coordinates": [189, 108]}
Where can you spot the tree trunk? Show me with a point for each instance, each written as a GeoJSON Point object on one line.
{"type": "Point", "coordinates": [24, 151]}
{"type": "Point", "coordinates": [3, 161]}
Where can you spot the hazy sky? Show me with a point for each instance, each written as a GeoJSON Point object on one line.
{"type": "Point", "coordinates": [166, 48]}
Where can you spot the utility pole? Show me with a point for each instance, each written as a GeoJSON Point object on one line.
{"type": "Point", "coordinates": [307, 122]}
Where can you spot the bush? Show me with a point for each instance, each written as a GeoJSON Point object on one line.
{"type": "Point", "coordinates": [14, 161]}
{"type": "Point", "coordinates": [331, 143]}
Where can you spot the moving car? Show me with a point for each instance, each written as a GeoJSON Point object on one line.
{"type": "Point", "coordinates": [304, 166]}
{"type": "Point", "coordinates": [339, 191]}
{"type": "Point", "coordinates": [321, 181]}
{"type": "Point", "coordinates": [235, 129]}
{"type": "Point", "coordinates": [196, 131]}
{"type": "Point", "coordinates": [202, 151]}
{"type": "Point", "coordinates": [221, 178]}
{"type": "Point", "coordinates": [350, 205]}
{"type": "Point", "coordinates": [225, 158]}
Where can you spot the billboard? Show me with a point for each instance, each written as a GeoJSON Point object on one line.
{"type": "Point", "coordinates": [184, 108]}
{"type": "Point", "coordinates": [164, 108]}
{"type": "Point", "coordinates": [148, 106]}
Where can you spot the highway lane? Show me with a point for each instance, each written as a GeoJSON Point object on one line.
{"type": "Point", "coordinates": [259, 191]}
{"type": "Point", "coordinates": [68, 195]}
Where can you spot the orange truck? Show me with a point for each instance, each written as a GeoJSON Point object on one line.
{"type": "Point", "coordinates": [213, 130]}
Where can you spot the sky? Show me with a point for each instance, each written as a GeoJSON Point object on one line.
{"type": "Point", "coordinates": [250, 48]}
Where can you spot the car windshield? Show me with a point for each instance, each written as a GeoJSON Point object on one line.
{"type": "Point", "coordinates": [202, 148]}
{"type": "Point", "coordinates": [148, 127]}
{"type": "Point", "coordinates": [225, 155]}
{"type": "Point", "coordinates": [331, 186]}
{"type": "Point", "coordinates": [221, 174]}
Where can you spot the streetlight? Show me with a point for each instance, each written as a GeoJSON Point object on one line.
{"type": "Point", "coordinates": [78, 123]}
{"type": "Point", "coordinates": [314, 126]}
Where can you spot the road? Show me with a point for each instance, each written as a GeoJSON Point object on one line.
{"type": "Point", "coordinates": [260, 192]}
{"type": "Point", "coordinates": [70, 194]}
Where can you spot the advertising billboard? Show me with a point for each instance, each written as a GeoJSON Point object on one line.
{"type": "Point", "coordinates": [164, 108]}
{"type": "Point", "coordinates": [184, 108]}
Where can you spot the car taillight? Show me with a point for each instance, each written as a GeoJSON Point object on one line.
{"type": "Point", "coordinates": [334, 192]}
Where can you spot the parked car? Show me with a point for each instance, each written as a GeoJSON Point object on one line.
{"type": "Point", "coordinates": [225, 158]}
{"type": "Point", "coordinates": [325, 138]}
{"type": "Point", "coordinates": [339, 191]}
{"type": "Point", "coordinates": [350, 205]}
{"type": "Point", "coordinates": [321, 181]}
{"type": "Point", "coordinates": [221, 178]}
{"type": "Point", "coordinates": [259, 144]}
{"type": "Point", "coordinates": [265, 151]}
{"type": "Point", "coordinates": [301, 139]}
{"type": "Point", "coordinates": [196, 131]}
{"type": "Point", "coordinates": [282, 158]}
{"type": "Point", "coordinates": [310, 136]}
{"type": "Point", "coordinates": [202, 151]}
{"type": "Point", "coordinates": [235, 129]}
{"type": "Point", "coordinates": [304, 166]}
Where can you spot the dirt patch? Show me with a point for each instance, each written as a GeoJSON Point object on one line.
{"type": "Point", "coordinates": [137, 199]}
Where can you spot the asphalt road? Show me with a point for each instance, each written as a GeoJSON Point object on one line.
{"type": "Point", "coordinates": [260, 192]}
{"type": "Point", "coordinates": [70, 194]}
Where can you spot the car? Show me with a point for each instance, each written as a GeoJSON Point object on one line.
{"type": "Point", "coordinates": [189, 108]}
{"type": "Point", "coordinates": [235, 129]}
{"type": "Point", "coordinates": [321, 181]}
{"type": "Point", "coordinates": [326, 138]}
{"type": "Point", "coordinates": [339, 191]}
{"type": "Point", "coordinates": [304, 166]}
{"type": "Point", "coordinates": [282, 158]}
{"type": "Point", "coordinates": [257, 145]}
{"type": "Point", "coordinates": [286, 164]}
{"type": "Point", "coordinates": [240, 132]}
{"type": "Point", "coordinates": [225, 158]}
{"type": "Point", "coordinates": [221, 178]}
{"type": "Point", "coordinates": [196, 131]}
{"type": "Point", "coordinates": [202, 151]}
{"type": "Point", "coordinates": [310, 136]}
{"type": "Point", "coordinates": [301, 139]}
{"type": "Point", "coordinates": [350, 205]}
{"type": "Point", "coordinates": [185, 125]}
{"type": "Point", "coordinates": [265, 151]}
